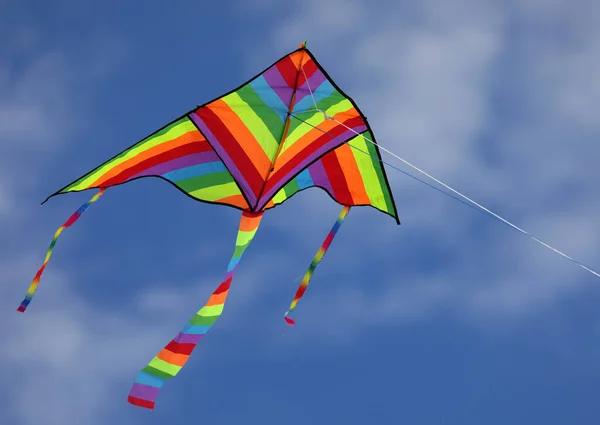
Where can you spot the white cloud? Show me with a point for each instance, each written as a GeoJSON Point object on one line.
{"type": "Point", "coordinates": [423, 74]}
{"type": "Point", "coordinates": [58, 361]}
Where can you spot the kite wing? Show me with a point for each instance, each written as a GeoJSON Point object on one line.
{"type": "Point", "coordinates": [351, 174]}
{"type": "Point", "coordinates": [178, 153]}
{"type": "Point", "coordinates": [287, 129]}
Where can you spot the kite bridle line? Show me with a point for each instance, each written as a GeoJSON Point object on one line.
{"type": "Point", "coordinates": [472, 202]}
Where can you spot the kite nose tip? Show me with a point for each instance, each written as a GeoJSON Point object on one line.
{"type": "Point", "coordinates": [288, 319]}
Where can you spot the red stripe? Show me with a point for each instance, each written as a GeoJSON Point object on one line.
{"type": "Point", "coordinates": [309, 69]}
{"type": "Point", "coordinates": [180, 348]}
{"type": "Point", "coordinates": [233, 149]}
{"type": "Point", "coordinates": [141, 403]}
{"type": "Point", "coordinates": [301, 290]}
{"type": "Point", "coordinates": [288, 71]}
{"type": "Point", "coordinates": [223, 287]}
{"type": "Point", "coordinates": [337, 179]}
{"type": "Point", "coordinates": [328, 241]}
{"type": "Point", "coordinates": [307, 152]}
{"type": "Point", "coordinates": [181, 151]}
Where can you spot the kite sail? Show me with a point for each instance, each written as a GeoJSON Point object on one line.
{"type": "Point", "coordinates": [287, 129]}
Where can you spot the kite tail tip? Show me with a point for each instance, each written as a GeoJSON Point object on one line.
{"type": "Point", "coordinates": [146, 404]}
{"type": "Point", "coordinates": [24, 304]}
{"type": "Point", "coordinates": [288, 319]}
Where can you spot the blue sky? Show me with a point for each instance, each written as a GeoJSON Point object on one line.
{"type": "Point", "coordinates": [450, 318]}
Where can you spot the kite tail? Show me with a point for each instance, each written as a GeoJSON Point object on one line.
{"type": "Point", "coordinates": [315, 262]}
{"type": "Point", "coordinates": [173, 357]}
{"type": "Point", "coordinates": [69, 222]}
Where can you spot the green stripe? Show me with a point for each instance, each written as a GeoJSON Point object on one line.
{"type": "Point", "coordinates": [333, 106]}
{"type": "Point", "coordinates": [156, 372]}
{"type": "Point", "coordinates": [269, 117]}
{"type": "Point", "coordinates": [167, 134]}
{"type": "Point", "coordinates": [378, 167]}
{"type": "Point", "coordinates": [255, 125]}
{"type": "Point", "coordinates": [203, 320]}
{"type": "Point", "coordinates": [207, 180]}
{"type": "Point", "coordinates": [216, 192]}
{"type": "Point", "coordinates": [291, 188]}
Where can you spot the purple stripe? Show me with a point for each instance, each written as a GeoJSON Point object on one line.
{"type": "Point", "coordinates": [145, 392]}
{"type": "Point", "coordinates": [319, 176]}
{"type": "Point", "coordinates": [330, 145]}
{"type": "Point", "coordinates": [182, 338]}
{"type": "Point", "coordinates": [235, 172]}
{"type": "Point", "coordinates": [278, 85]}
{"type": "Point", "coordinates": [176, 164]}
{"type": "Point", "coordinates": [315, 82]}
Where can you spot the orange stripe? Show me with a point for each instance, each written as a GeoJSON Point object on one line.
{"type": "Point", "coordinates": [356, 184]}
{"type": "Point", "coordinates": [248, 224]}
{"type": "Point", "coordinates": [312, 135]}
{"type": "Point", "coordinates": [297, 59]}
{"type": "Point", "coordinates": [217, 299]}
{"type": "Point", "coordinates": [192, 136]}
{"type": "Point", "coordinates": [176, 359]}
{"type": "Point", "coordinates": [237, 200]}
{"type": "Point", "coordinates": [242, 135]}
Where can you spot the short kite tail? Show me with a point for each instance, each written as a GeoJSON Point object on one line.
{"type": "Point", "coordinates": [315, 262]}
{"type": "Point", "coordinates": [68, 223]}
{"type": "Point", "coordinates": [173, 357]}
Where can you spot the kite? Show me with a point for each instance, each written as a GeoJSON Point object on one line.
{"type": "Point", "coordinates": [288, 129]}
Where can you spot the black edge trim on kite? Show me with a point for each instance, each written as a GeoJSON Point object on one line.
{"type": "Point", "coordinates": [186, 114]}
{"type": "Point", "coordinates": [369, 129]}
{"type": "Point", "coordinates": [168, 181]}
{"type": "Point", "coordinates": [332, 198]}
{"type": "Point", "coordinates": [58, 192]}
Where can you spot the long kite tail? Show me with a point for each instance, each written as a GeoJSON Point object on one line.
{"type": "Point", "coordinates": [173, 357]}
{"type": "Point", "coordinates": [315, 262]}
{"type": "Point", "coordinates": [38, 275]}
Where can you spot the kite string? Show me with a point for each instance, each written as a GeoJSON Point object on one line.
{"type": "Point", "coordinates": [36, 280]}
{"type": "Point", "coordinates": [329, 117]}
{"type": "Point", "coordinates": [473, 202]}
{"type": "Point", "coordinates": [399, 169]}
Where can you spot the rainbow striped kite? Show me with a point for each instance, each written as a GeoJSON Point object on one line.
{"type": "Point", "coordinates": [287, 129]}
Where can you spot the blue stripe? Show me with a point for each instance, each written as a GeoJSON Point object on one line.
{"type": "Point", "coordinates": [269, 97]}
{"type": "Point", "coordinates": [304, 179]}
{"type": "Point", "coordinates": [195, 171]}
{"type": "Point", "coordinates": [147, 379]}
{"type": "Point", "coordinates": [195, 329]}
{"type": "Point", "coordinates": [322, 92]}
{"type": "Point", "coordinates": [232, 263]}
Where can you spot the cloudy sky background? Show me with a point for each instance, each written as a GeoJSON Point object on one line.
{"type": "Point", "coordinates": [450, 318]}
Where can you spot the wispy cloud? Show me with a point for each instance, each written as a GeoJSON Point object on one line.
{"type": "Point", "coordinates": [47, 352]}
{"type": "Point", "coordinates": [481, 95]}
{"type": "Point", "coordinates": [504, 114]}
